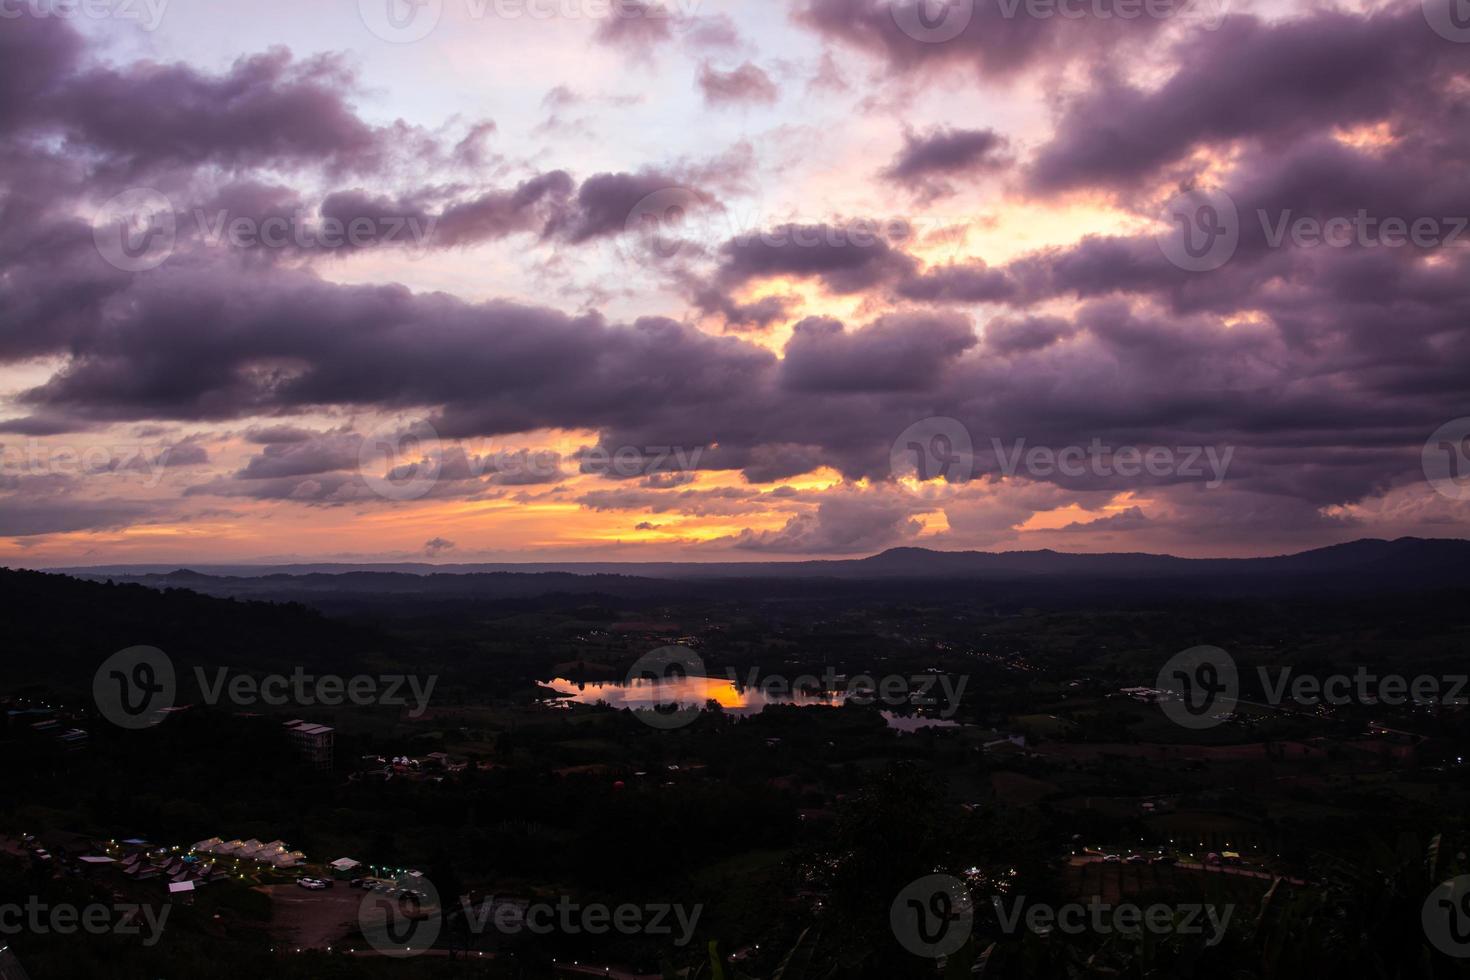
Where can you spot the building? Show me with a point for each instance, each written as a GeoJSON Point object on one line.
{"type": "Point", "coordinates": [346, 869]}
{"type": "Point", "coordinates": [314, 743]}
{"type": "Point", "coordinates": [276, 853]}
{"type": "Point", "coordinates": [10, 968]}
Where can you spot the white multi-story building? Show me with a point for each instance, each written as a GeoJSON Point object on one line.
{"type": "Point", "coordinates": [314, 742]}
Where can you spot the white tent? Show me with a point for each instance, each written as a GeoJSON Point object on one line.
{"type": "Point", "coordinates": [288, 859]}
{"type": "Point", "coordinates": [250, 848]}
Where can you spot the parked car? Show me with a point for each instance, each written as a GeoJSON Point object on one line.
{"type": "Point", "coordinates": [355, 883]}
{"type": "Point", "coordinates": [313, 884]}
{"type": "Point", "coordinates": [1137, 859]}
{"type": "Point", "coordinates": [1163, 859]}
{"type": "Point", "coordinates": [1112, 859]}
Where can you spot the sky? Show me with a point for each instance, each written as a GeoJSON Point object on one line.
{"type": "Point", "coordinates": [460, 280]}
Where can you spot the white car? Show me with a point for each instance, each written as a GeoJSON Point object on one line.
{"type": "Point", "coordinates": [312, 884]}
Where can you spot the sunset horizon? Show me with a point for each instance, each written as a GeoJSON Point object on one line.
{"type": "Point", "coordinates": [692, 282]}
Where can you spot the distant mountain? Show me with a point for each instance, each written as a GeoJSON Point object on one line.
{"type": "Point", "coordinates": [1365, 565]}
{"type": "Point", "coordinates": [922, 562]}
{"type": "Point", "coordinates": [64, 627]}
{"type": "Point", "coordinates": [1414, 556]}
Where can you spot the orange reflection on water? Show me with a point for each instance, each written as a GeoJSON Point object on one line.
{"type": "Point", "coordinates": [684, 691]}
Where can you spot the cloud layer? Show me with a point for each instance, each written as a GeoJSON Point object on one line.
{"type": "Point", "coordinates": [837, 375]}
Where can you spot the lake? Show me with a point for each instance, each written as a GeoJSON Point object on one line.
{"type": "Point", "coordinates": [695, 692]}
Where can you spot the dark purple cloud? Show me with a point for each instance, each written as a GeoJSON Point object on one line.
{"type": "Point", "coordinates": [21, 518]}
{"type": "Point", "coordinates": [722, 501]}
{"type": "Point", "coordinates": [843, 524]}
{"type": "Point", "coordinates": [270, 434]}
{"type": "Point", "coordinates": [470, 150]}
{"type": "Point", "coordinates": [926, 160]}
{"type": "Point", "coordinates": [636, 27]}
{"type": "Point", "coordinates": [298, 458]}
{"type": "Point", "coordinates": [436, 546]}
{"type": "Point", "coordinates": [897, 352]}
{"type": "Point", "coordinates": [971, 282]}
{"type": "Point", "coordinates": [609, 204]}
{"type": "Point", "coordinates": [36, 56]}
{"type": "Point", "coordinates": [1250, 79]}
{"type": "Point", "coordinates": [267, 110]}
{"type": "Point", "coordinates": [755, 315]}
{"type": "Point", "coordinates": [998, 39]}
{"type": "Point", "coordinates": [847, 258]}
{"type": "Point", "coordinates": [745, 84]}
{"type": "Point", "coordinates": [1006, 335]}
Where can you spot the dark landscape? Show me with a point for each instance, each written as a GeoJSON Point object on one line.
{"type": "Point", "coordinates": [791, 827]}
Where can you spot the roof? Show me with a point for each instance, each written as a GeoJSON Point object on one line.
{"type": "Point", "coordinates": [343, 864]}
{"type": "Point", "coordinates": [10, 968]}
{"type": "Point", "coordinates": [180, 886]}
